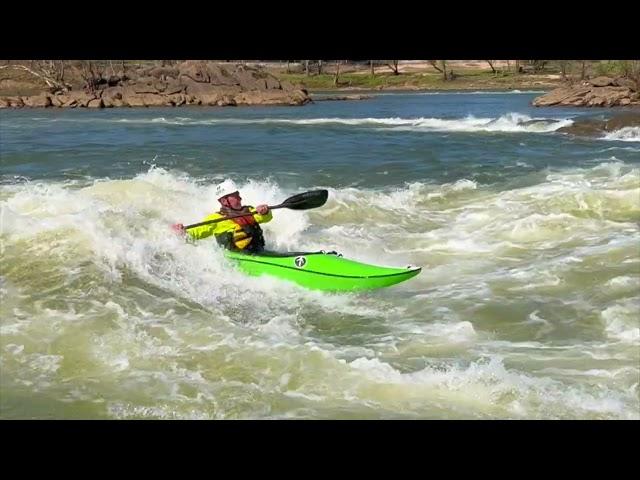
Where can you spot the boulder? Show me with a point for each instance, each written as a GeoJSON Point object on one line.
{"type": "Point", "coordinates": [272, 97]}
{"type": "Point", "coordinates": [272, 83]}
{"type": "Point", "coordinates": [164, 72]}
{"type": "Point", "coordinates": [13, 102]}
{"type": "Point", "coordinates": [176, 100]}
{"type": "Point", "coordinates": [560, 95]}
{"type": "Point", "coordinates": [174, 87]}
{"type": "Point", "coordinates": [78, 99]}
{"type": "Point", "coordinates": [623, 120]}
{"type": "Point", "coordinates": [227, 101]}
{"type": "Point", "coordinates": [595, 127]}
{"type": "Point", "coordinates": [220, 75]}
{"type": "Point", "coordinates": [607, 93]}
{"type": "Point", "coordinates": [602, 81]}
{"type": "Point", "coordinates": [195, 70]}
{"type": "Point", "coordinates": [41, 101]}
{"type": "Point", "coordinates": [141, 88]}
{"type": "Point", "coordinates": [627, 82]}
{"type": "Point", "coordinates": [112, 93]}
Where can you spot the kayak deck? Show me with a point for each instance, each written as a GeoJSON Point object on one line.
{"type": "Point", "coordinates": [327, 271]}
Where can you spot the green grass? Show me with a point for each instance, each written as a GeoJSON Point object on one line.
{"type": "Point", "coordinates": [467, 79]}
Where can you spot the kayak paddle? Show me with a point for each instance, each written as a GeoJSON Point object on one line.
{"type": "Point", "coordinates": [301, 201]}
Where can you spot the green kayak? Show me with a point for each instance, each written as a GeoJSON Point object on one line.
{"type": "Point", "coordinates": [321, 270]}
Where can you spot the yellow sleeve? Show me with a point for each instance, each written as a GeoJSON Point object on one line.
{"type": "Point", "coordinates": [261, 218]}
{"type": "Point", "coordinates": [205, 231]}
{"type": "Point", "coordinates": [226, 225]}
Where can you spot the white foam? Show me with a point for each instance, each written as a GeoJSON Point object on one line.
{"type": "Point", "coordinates": [474, 92]}
{"type": "Point", "coordinates": [464, 184]}
{"type": "Point", "coordinates": [490, 383]}
{"type": "Point", "coordinates": [624, 283]}
{"type": "Point", "coordinates": [14, 349]}
{"type": "Point", "coordinates": [509, 122]}
{"type": "Point", "coordinates": [281, 329]}
{"type": "Point", "coordinates": [545, 279]}
{"type": "Point", "coordinates": [452, 331]}
{"type": "Point", "coordinates": [625, 134]}
{"type": "Point", "coordinates": [622, 321]}
{"type": "Point", "coordinates": [462, 229]}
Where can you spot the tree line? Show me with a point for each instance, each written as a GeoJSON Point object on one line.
{"type": "Point", "coordinates": [92, 73]}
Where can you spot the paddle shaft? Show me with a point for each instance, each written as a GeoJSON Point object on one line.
{"type": "Point", "coordinates": [301, 201]}
{"type": "Point", "coordinates": [216, 220]}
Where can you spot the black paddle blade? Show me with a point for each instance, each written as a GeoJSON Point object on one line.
{"type": "Point", "coordinates": [306, 200]}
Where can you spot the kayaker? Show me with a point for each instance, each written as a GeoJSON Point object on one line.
{"type": "Point", "coordinates": [237, 234]}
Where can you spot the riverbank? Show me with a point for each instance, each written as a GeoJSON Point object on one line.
{"type": "Point", "coordinates": [218, 83]}
{"type": "Point", "coordinates": [43, 84]}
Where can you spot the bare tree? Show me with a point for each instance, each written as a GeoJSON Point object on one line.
{"type": "Point", "coordinates": [538, 65]}
{"type": "Point", "coordinates": [337, 75]}
{"type": "Point", "coordinates": [635, 72]}
{"type": "Point", "coordinates": [490, 62]}
{"type": "Point", "coordinates": [442, 68]}
{"type": "Point", "coordinates": [319, 67]}
{"type": "Point", "coordinates": [394, 67]}
{"type": "Point", "coordinates": [92, 75]}
{"type": "Point", "coordinates": [50, 71]}
{"type": "Point", "coordinates": [373, 71]}
{"type": "Point", "coordinates": [583, 70]}
{"type": "Point", "coordinates": [627, 68]}
{"type": "Point", "coordinates": [563, 68]}
{"type": "Point", "coordinates": [434, 64]}
{"type": "Point", "coordinates": [631, 69]}
{"type": "Point", "coordinates": [306, 67]}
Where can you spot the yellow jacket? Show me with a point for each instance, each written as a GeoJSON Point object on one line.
{"type": "Point", "coordinates": [228, 232]}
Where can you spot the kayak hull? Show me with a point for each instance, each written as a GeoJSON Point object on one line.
{"type": "Point", "coordinates": [321, 270]}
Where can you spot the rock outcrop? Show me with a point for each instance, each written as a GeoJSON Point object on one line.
{"type": "Point", "coordinates": [188, 83]}
{"type": "Point", "coordinates": [597, 92]}
{"type": "Point", "coordinates": [595, 127]}
{"type": "Point", "coordinates": [342, 97]}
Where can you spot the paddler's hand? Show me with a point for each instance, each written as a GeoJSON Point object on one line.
{"type": "Point", "coordinates": [262, 209]}
{"type": "Point", "coordinates": [178, 228]}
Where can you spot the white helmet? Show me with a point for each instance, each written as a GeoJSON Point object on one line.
{"type": "Point", "coordinates": [227, 193]}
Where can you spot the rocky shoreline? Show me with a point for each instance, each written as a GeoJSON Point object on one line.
{"type": "Point", "coordinates": [210, 83]}
{"type": "Point", "coordinates": [597, 92]}
{"type": "Point", "coordinates": [187, 83]}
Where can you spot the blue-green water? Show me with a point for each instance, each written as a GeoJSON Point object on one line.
{"type": "Point", "coordinates": [527, 306]}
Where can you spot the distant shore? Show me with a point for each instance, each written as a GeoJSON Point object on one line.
{"type": "Point", "coordinates": [155, 83]}
{"type": "Point", "coordinates": [221, 83]}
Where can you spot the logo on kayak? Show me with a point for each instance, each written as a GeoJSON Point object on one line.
{"type": "Point", "coordinates": [300, 262]}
